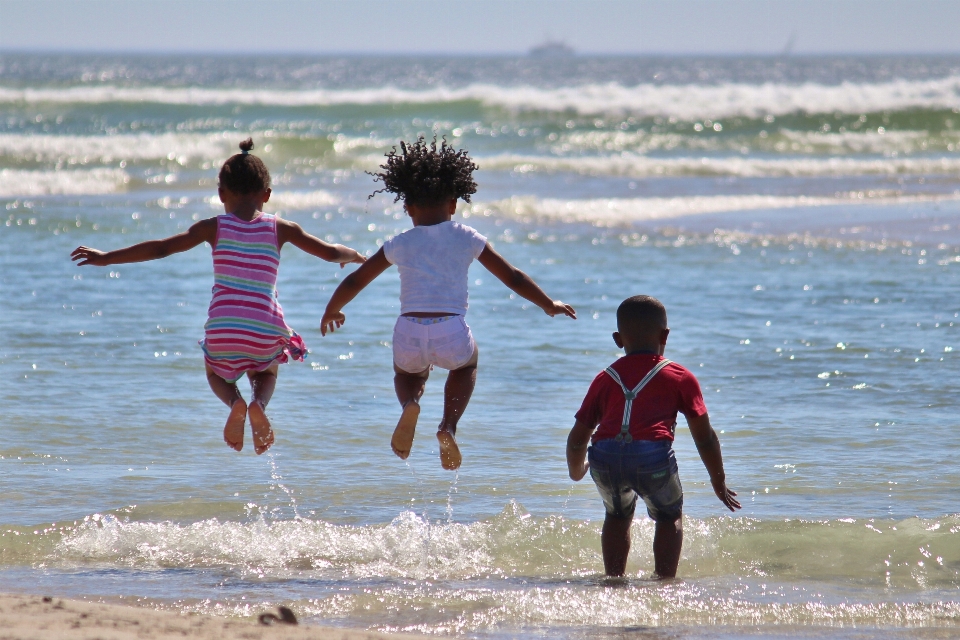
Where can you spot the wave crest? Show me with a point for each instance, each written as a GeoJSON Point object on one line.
{"type": "Point", "coordinates": [686, 102]}
{"type": "Point", "coordinates": [916, 551]}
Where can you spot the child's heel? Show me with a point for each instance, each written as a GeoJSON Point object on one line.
{"type": "Point", "coordinates": [450, 457]}
{"type": "Point", "coordinates": [261, 427]}
{"type": "Point", "coordinates": [236, 423]}
{"type": "Point", "coordinates": [402, 440]}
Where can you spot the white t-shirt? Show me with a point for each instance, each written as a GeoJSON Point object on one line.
{"type": "Point", "coordinates": [433, 263]}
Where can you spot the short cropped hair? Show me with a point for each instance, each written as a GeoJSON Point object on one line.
{"type": "Point", "coordinates": [422, 174]}
{"type": "Point", "coordinates": [244, 173]}
{"type": "Point", "coordinates": [641, 316]}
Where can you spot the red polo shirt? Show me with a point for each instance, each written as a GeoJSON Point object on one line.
{"type": "Point", "coordinates": [673, 390]}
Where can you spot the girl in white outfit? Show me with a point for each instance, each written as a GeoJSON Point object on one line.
{"type": "Point", "coordinates": [433, 259]}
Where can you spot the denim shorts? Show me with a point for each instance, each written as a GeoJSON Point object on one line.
{"type": "Point", "coordinates": [644, 468]}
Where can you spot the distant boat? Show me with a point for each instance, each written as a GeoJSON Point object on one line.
{"type": "Point", "coordinates": [552, 49]}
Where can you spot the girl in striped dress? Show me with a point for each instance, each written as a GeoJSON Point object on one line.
{"type": "Point", "coordinates": [245, 330]}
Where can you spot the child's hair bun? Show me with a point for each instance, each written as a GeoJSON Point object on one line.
{"type": "Point", "coordinates": [244, 172]}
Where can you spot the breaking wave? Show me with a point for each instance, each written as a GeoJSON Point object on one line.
{"type": "Point", "coordinates": [23, 183]}
{"type": "Point", "coordinates": [514, 543]}
{"type": "Point", "coordinates": [686, 102]}
{"type": "Point", "coordinates": [614, 211]}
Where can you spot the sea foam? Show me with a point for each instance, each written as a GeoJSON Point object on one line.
{"type": "Point", "coordinates": [639, 166]}
{"type": "Point", "coordinates": [23, 183]}
{"type": "Point", "coordinates": [513, 543]}
{"type": "Point", "coordinates": [614, 211]}
{"type": "Point", "coordinates": [77, 149]}
{"type": "Point", "coordinates": [686, 102]}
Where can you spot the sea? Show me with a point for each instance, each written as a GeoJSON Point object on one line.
{"type": "Point", "coordinates": [798, 216]}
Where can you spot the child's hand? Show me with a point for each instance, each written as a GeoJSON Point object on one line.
{"type": "Point", "coordinates": [331, 321]}
{"type": "Point", "coordinates": [727, 496]}
{"type": "Point", "coordinates": [357, 259]}
{"type": "Point", "coordinates": [86, 255]}
{"type": "Point", "coordinates": [559, 308]}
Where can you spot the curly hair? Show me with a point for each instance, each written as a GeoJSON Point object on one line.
{"type": "Point", "coordinates": [423, 174]}
{"type": "Point", "coordinates": [244, 173]}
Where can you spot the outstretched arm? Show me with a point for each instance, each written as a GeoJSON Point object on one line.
{"type": "Point", "coordinates": [522, 284]}
{"type": "Point", "coordinates": [294, 234]}
{"type": "Point", "coordinates": [577, 443]}
{"type": "Point", "coordinates": [203, 231]}
{"type": "Point", "coordinates": [708, 446]}
{"type": "Point", "coordinates": [353, 284]}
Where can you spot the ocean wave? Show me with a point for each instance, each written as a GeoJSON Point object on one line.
{"type": "Point", "coordinates": [781, 141]}
{"type": "Point", "coordinates": [23, 183]}
{"type": "Point", "coordinates": [686, 102]}
{"type": "Point", "coordinates": [299, 200]}
{"type": "Point", "coordinates": [638, 166]}
{"type": "Point", "coordinates": [631, 609]}
{"type": "Point", "coordinates": [74, 149]}
{"type": "Point", "coordinates": [290, 201]}
{"type": "Point", "coordinates": [906, 552]}
{"type": "Point", "coordinates": [613, 211]}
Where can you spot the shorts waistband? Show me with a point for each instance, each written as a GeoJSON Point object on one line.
{"type": "Point", "coordinates": [436, 320]}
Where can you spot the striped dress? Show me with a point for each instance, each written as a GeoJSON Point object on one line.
{"type": "Point", "coordinates": [245, 330]}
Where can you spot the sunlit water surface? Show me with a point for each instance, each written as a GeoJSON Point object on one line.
{"type": "Point", "coordinates": [809, 275]}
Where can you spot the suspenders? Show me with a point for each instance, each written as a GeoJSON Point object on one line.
{"type": "Point", "coordinates": [630, 395]}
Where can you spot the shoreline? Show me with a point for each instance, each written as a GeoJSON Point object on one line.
{"type": "Point", "coordinates": [32, 617]}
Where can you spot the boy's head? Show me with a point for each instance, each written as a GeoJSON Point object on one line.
{"type": "Point", "coordinates": [641, 325]}
{"type": "Point", "coordinates": [244, 173]}
{"type": "Point", "coordinates": [423, 175]}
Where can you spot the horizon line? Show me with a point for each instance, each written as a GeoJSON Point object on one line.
{"type": "Point", "coordinates": [475, 54]}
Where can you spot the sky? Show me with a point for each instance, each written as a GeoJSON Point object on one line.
{"type": "Point", "coordinates": [482, 26]}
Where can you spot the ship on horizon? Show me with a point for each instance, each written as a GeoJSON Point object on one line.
{"type": "Point", "coordinates": [552, 49]}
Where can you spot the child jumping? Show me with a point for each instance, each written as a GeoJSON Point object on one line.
{"type": "Point", "coordinates": [433, 258]}
{"type": "Point", "coordinates": [245, 332]}
{"type": "Point", "coordinates": [635, 403]}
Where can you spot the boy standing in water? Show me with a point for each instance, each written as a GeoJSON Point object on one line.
{"type": "Point", "coordinates": [633, 406]}
{"type": "Point", "coordinates": [433, 258]}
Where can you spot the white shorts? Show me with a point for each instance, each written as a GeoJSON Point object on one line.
{"type": "Point", "coordinates": [447, 344]}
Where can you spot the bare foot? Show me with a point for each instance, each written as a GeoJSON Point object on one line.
{"type": "Point", "coordinates": [260, 425]}
{"type": "Point", "coordinates": [402, 439]}
{"type": "Point", "coordinates": [450, 457]}
{"type": "Point", "coordinates": [236, 423]}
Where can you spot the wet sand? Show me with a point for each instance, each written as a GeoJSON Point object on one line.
{"type": "Point", "coordinates": [39, 618]}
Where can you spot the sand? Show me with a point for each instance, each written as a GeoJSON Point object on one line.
{"type": "Point", "coordinates": [39, 618]}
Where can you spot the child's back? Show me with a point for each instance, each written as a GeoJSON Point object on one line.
{"type": "Point", "coordinates": [633, 406]}
{"type": "Point", "coordinates": [433, 262]}
{"type": "Point", "coordinates": [245, 329]}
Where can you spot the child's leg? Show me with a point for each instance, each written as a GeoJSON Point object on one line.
{"type": "Point", "coordinates": [262, 383]}
{"type": "Point", "coordinates": [615, 542]}
{"type": "Point", "coordinates": [667, 541]}
{"type": "Point", "coordinates": [456, 396]}
{"type": "Point", "coordinates": [230, 396]}
{"type": "Point", "coordinates": [409, 388]}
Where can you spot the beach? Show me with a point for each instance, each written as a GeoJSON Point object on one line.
{"type": "Point", "coordinates": [798, 217]}
{"type": "Point", "coordinates": [46, 618]}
